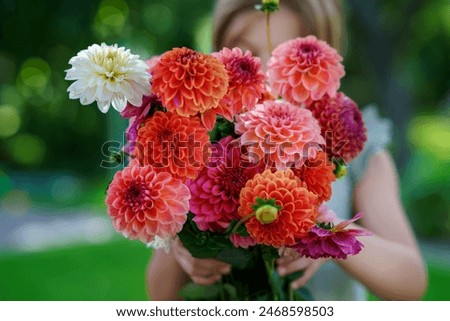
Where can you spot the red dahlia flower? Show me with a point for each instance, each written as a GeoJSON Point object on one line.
{"type": "Point", "coordinates": [174, 144]}
{"type": "Point", "coordinates": [317, 174]}
{"type": "Point", "coordinates": [342, 126]}
{"type": "Point", "coordinates": [245, 81]}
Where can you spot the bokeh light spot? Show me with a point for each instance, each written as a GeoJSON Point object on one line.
{"type": "Point", "coordinates": [35, 73]}
{"type": "Point", "coordinates": [9, 121]}
{"type": "Point", "coordinates": [111, 16]}
{"type": "Point", "coordinates": [431, 134]}
{"type": "Point", "coordinates": [27, 149]}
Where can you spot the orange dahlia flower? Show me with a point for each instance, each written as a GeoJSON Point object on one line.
{"type": "Point", "coordinates": [291, 214]}
{"type": "Point", "coordinates": [174, 144]}
{"type": "Point", "coordinates": [143, 203]}
{"type": "Point", "coordinates": [318, 175]}
{"type": "Point", "coordinates": [189, 82]}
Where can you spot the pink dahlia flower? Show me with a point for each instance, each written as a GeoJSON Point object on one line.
{"type": "Point", "coordinates": [279, 133]}
{"type": "Point", "coordinates": [215, 193]}
{"type": "Point", "coordinates": [242, 241]}
{"type": "Point", "coordinates": [143, 204]}
{"type": "Point", "coordinates": [152, 62]}
{"type": "Point", "coordinates": [303, 70]}
{"type": "Point", "coordinates": [245, 81]}
{"type": "Point", "coordinates": [328, 241]}
{"type": "Point", "coordinates": [341, 125]}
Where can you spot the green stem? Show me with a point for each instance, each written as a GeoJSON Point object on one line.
{"type": "Point", "coordinates": [222, 290]}
{"type": "Point", "coordinates": [238, 224]}
{"type": "Point", "coordinates": [291, 292]}
{"type": "Point", "coordinates": [269, 38]}
{"type": "Point", "coordinates": [270, 266]}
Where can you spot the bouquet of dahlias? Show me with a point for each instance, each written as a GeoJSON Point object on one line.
{"type": "Point", "coordinates": [234, 162]}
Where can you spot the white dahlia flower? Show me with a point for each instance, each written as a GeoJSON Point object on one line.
{"type": "Point", "coordinates": [160, 243]}
{"type": "Point", "coordinates": [109, 75]}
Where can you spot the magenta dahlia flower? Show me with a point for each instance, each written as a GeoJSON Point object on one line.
{"type": "Point", "coordinates": [279, 133]}
{"type": "Point", "coordinates": [144, 204]}
{"type": "Point", "coordinates": [328, 241]}
{"type": "Point", "coordinates": [137, 116]}
{"type": "Point", "coordinates": [215, 193]}
{"type": "Point", "coordinates": [303, 70]}
{"type": "Point", "coordinates": [245, 81]}
{"type": "Point", "coordinates": [342, 126]}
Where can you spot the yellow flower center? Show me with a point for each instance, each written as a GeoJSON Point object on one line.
{"type": "Point", "coordinates": [266, 214]}
{"type": "Point", "coordinates": [112, 63]}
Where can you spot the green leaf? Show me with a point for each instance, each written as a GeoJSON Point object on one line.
{"type": "Point", "coordinates": [269, 253]}
{"type": "Point", "coordinates": [196, 292]}
{"type": "Point", "coordinates": [204, 244]}
{"type": "Point", "coordinates": [222, 129]}
{"type": "Point", "coordinates": [262, 202]}
{"type": "Point", "coordinates": [230, 292]}
{"type": "Point", "coordinates": [237, 257]}
{"type": "Point", "coordinates": [241, 230]}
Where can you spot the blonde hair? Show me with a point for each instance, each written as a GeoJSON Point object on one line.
{"type": "Point", "coordinates": [324, 18]}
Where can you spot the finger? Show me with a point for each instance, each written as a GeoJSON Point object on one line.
{"type": "Point", "coordinates": [199, 267]}
{"type": "Point", "coordinates": [288, 255]}
{"type": "Point", "coordinates": [207, 280]}
{"type": "Point", "coordinates": [293, 266]}
{"type": "Point", "coordinates": [307, 274]}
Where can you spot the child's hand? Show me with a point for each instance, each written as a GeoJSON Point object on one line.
{"type": "Point", "coordinates": [290, 262]}
{"type": "Point", "coordinates": [201, 271]}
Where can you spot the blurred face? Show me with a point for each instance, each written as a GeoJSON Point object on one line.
{"type": "Point", "coordinates": [248, 31]}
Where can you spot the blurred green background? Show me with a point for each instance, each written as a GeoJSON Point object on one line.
{"type": "Point", "coordinates": [56, 241]}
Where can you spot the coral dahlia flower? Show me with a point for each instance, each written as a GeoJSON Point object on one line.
{"type": "Point", "coordinates": [174, 144]}
{"type": "Point", "coordinates": [189, 82]}
{"type": "Point", "coordinates": [303, 70]}
{"type": "Point", "coordinates": [342, 126]}
{"type": "Point", "coordinates": [245, 81]}
{"type": "Point", "coordinates": [279, 133]}
{"type": "Point", "coordinates": [144, 204]}
{"type": "Point", "coordinates": [215, 193]}
{"type": "Point", "coordinates": [284, 210]}
{"type": "Point", "coordinates": [327, 240]}
{"type": "Point", "coordinates": [317, 174]}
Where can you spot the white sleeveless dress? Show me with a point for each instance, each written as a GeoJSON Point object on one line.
{"type": "Point", "coordinates": [331, 282]}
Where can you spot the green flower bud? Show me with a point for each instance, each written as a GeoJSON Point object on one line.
{"type": "Point", "coordinates": [266, 214]}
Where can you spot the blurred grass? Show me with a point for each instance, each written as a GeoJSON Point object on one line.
{"type": "Point", "coordinates": [110, 272]}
